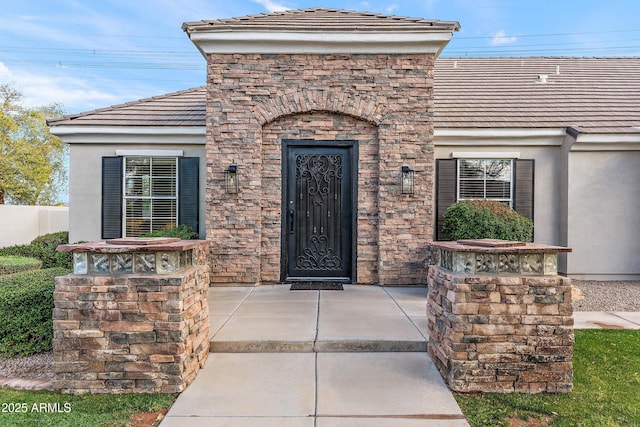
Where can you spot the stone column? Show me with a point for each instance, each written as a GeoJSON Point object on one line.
{"type": "Point", "coordinates": [133, 317]}
{"type": "Point", "coordinates": [500, 318]}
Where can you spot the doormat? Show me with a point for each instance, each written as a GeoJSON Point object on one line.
{"type": "Point", "coordinates": [316, 286]}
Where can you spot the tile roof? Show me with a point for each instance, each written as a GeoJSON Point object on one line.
{"type": "Point", "coordinates": [183, 108]}
{"type": "Point", "coordinates": [319, 19]}
{"type": "Point", "coordinates": [589, 94]}
{"type": "Point", "coordinates": [598, 95]}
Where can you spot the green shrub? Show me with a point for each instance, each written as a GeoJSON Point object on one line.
{"type": "Point", "coordinates": [182, 231]}
{"type": "Point", "coordinates": [44, 249]}
{"type": "Point", "coordinates": [14, 264]}
{"type": "Point", "coordinates": [485, 219]}
{"type": "Point", "coordinates": [26, 309]}
{"type": "Point", "coordinates": [52, 239]}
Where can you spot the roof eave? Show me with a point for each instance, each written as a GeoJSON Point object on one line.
{"type": "Point", "coordinates": [430, 41]}
{"type": "Point", "coordinates": [105, 134]}
{"type": "Point", "coordinates": [604, 140]}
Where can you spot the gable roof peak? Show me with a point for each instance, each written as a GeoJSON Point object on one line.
{"type": "Point", "coordinates": [320, 30]}
{"type": "Point", "coordinates": [319, 19]}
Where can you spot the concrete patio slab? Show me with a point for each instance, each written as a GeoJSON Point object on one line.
{"type": "Point", "coordinates": [382, 384]}
{"type": "Point", "coordinates": [412, 301]}
{"type": "Point", "coordinates": [602, 320]}
{"type": "Point", "coordinates": [406, 293]}
{"type": "Point", "coordinates": [274, 308]}
{"type": "Point", "coordinates": [251, 385]}
{"type": "Point", "coordinates": [216, 322]}
{"type": "Point", "coordinates": [356, 292]}
{"type": "Point", "coordinates": [360, 318]}
{"type": "Point", "coordinates": [224, 301]}
{"type": "Point", "coordinates": [268, 328]}
{"type": "Point", "coordinates": [281, 293]}
{"type": "Point", "coordinates": [413, 308]}
{"type": "Point", "coordinates": [421, 323]}
{"type": "Point", "coordinates": [382, 328]}
{"type": "Point", "coordinates": [383, 307]}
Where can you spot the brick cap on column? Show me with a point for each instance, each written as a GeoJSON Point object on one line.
{"type": "Point", "coordinates": [492, 246]}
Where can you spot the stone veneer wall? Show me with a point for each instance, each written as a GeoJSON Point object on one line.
{"type": "Point", "coordinates": [131, 332]}
{"type": "Point", "coordinates": [501, 334]}
{"type": "Point", "coordinates": [384, 101]}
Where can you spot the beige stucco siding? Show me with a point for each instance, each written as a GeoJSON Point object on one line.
{"type": "Point", "coordinates": [85, 184]}
{"type": "Point", "coordinates": [603, 214]}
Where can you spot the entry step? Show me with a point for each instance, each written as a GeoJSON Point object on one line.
{"type": "Point", "coordinates": [333, 346]}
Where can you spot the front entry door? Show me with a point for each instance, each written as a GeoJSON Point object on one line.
{"type": "Point", "coordinates": [318, 211]}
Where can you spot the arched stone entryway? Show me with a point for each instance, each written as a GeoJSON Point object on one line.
{"type": "Point", "coordinates": [327, 129]}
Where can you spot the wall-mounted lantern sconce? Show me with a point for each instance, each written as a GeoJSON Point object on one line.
{"type": "Point", "coordinates": [407, 180]}
{"type": "Point", "coordinates": [231, 178]}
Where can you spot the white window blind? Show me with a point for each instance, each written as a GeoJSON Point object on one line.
{"type": "Point", "coordinates": [150, 194]}
{"type": "Point", "coordinates": [489, 179]}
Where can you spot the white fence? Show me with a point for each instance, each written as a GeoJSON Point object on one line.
{"type": "Point", "coordinates": [22, 224]}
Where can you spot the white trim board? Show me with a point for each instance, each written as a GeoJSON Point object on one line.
{"type": "Point", "coordinates": [319, 42]}
{"type": "Point", "coordinates": [485, 155]}
{"type": "Point", "coordinates": [90, 134]}
{"type": "Point", "coordinates": [151, 153]}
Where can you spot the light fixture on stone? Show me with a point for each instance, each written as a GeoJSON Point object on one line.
{"type": "Point", "coordinates": [231, 178]}
{"type": "Point", "coordinates": [407, 180]}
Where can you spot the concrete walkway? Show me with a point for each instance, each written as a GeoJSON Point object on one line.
{"type": "Point", "coordinates": [606, 320]}
{"type": "Point", "coordinates": [317, 359]}
{"type": "Point", "coordinates": [353, 358]}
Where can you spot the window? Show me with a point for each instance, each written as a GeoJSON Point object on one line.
{"type": "Point", "coordinates": [507, 180]}
{"type": "Point", "coordinates": [143, 193]}
{"type": "Point", "coordinates": [150, 194]}
{"type": "Point", "coordinates": [485, 179]}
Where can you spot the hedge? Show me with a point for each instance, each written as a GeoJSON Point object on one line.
{"type": "Point", "coordinates": [182, 231]}
{"type": "Point", "coordinates": [44, 249]}
{"type": "Point", "coordinates": [26, 311]}
{"type": "Point", "coordinates": [485, 219]}
{"type": "Point", "coordinates": [14, 264]}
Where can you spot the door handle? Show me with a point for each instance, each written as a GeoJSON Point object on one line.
{"type": "Point", "coordinates": [291, 217]}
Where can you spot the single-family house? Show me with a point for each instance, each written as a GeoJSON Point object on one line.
{"type": "Point", "coordinates": [327, 144]}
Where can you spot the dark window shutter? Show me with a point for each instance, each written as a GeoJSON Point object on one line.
{"type": "Point", "coordinates": [111, 197]}
{"type": "Point", "coordinates": [446, 181]}
{"type": "Point", "coordinates": [188, 191]}
{"type": "Point", "coordinates": [524, 172]}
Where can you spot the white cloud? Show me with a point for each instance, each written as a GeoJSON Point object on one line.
{"type": "Point", "coordinates": [271, 6]}
{"type": "Point", "coordinates": [429, 4]}
{"type": "Point", "coordinates": [391, 8]}
{"type": "Point", "coordinates": [388, 9]}
{"type": "Point", "coordinates": [4, 72]}
{"type": "Point", "coordinates": [74, 94]}
{"type": "Point", "coordinates": [501, 38]}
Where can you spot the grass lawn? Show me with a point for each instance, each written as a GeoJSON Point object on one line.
{"type": "Point", "coordinates": [23, 408]}
{"type": "Point", "coordinates": [606, 389]}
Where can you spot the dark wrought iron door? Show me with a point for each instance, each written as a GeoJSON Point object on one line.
{"type": "Point", "coordinates": [318, 209]}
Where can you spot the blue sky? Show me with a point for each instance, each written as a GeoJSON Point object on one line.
{"type": "Point", "coordinates": [87, 54]}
